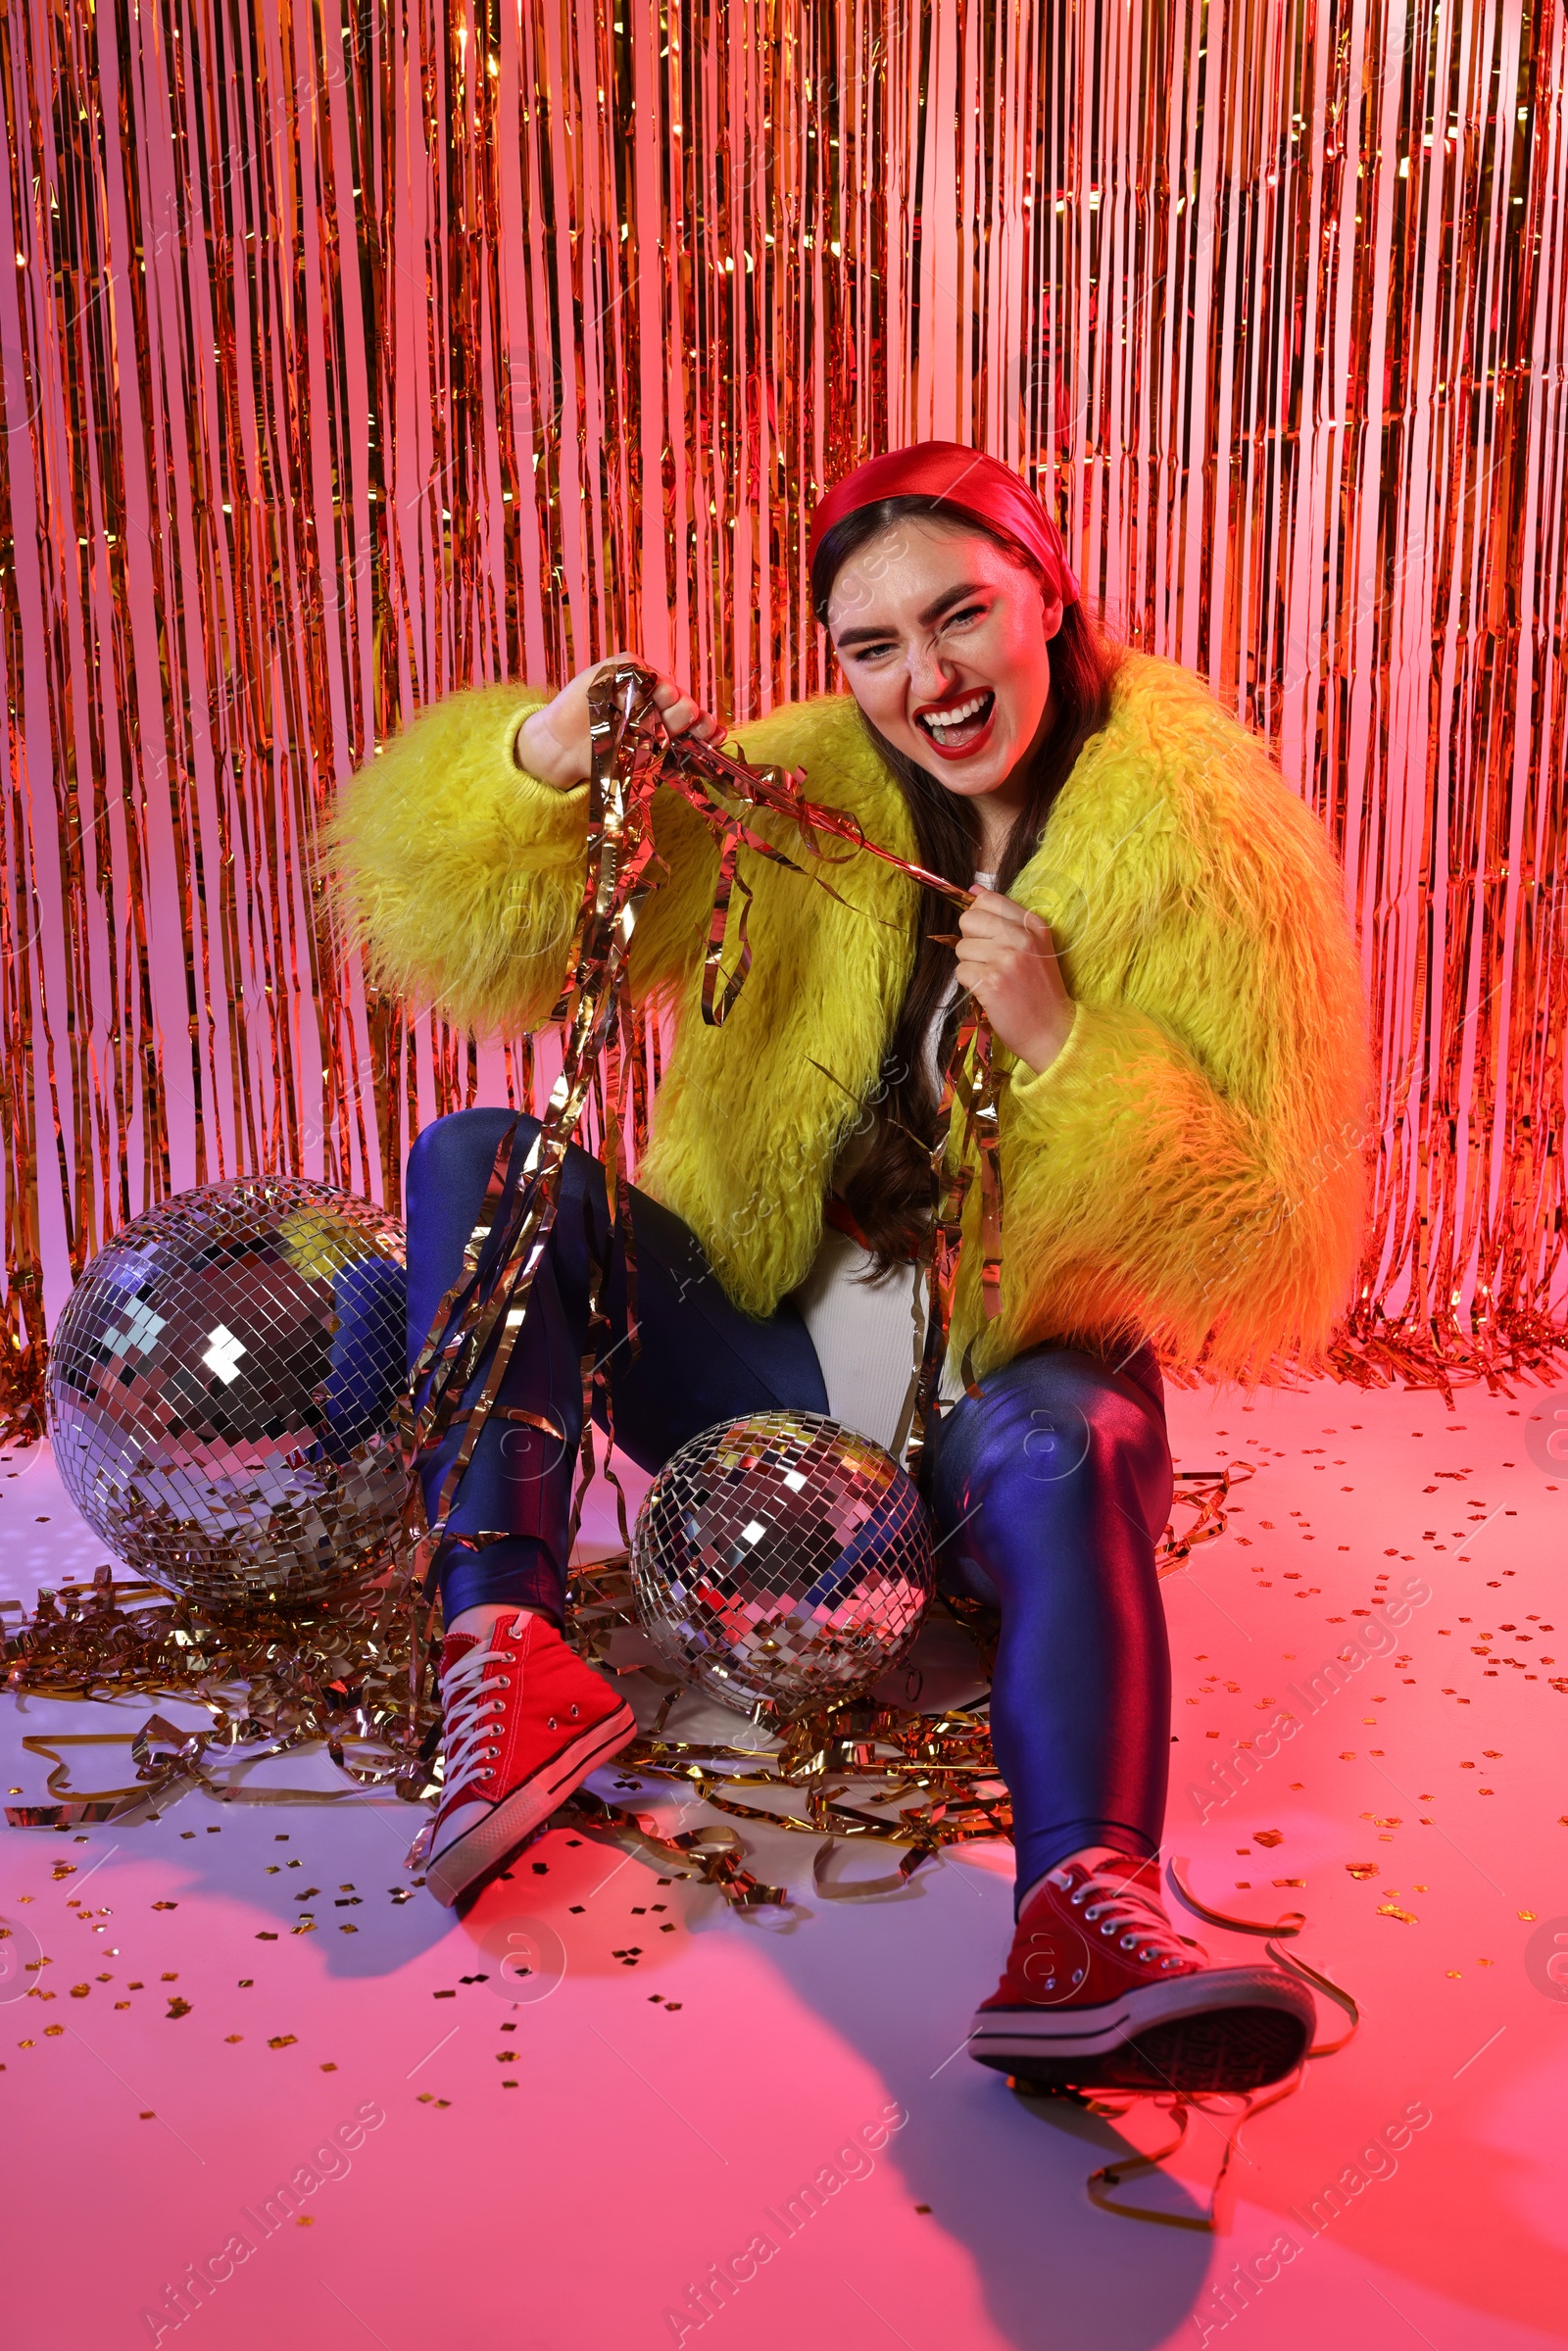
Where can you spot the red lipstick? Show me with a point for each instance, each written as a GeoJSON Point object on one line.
{"type": "Point", "coordinates": [972, 734]}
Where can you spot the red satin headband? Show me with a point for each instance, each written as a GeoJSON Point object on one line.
{"type": "Point", "coordinates": [964, 480]}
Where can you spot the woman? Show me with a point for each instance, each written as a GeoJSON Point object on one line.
{"type": "Point", "coordinates": [1159, 940]}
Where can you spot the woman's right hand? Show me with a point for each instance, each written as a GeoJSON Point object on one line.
{"type": "Point", "coordinates": [554, 743]}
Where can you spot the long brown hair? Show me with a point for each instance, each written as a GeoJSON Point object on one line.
{"type": "Point", "coordinates": [889, 1194]}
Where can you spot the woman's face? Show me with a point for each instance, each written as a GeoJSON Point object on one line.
{"type": "Point", "coordinates": [942, 640]}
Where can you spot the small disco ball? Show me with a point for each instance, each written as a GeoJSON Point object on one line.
{"type": "Point", "coordinates": [222, 1390]}
{"type": "Point", "coordinates": [781, 1562]}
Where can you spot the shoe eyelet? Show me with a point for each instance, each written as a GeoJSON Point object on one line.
{"type": "Point", "coordinates": [1079, 1895]}
{"type": "Point", "coordinates": [1109, 1927]}
{"type": "Point", "coordinates": [1092, 1913]}
{"type": "Point", "coordinates": [1129, 1943]}
{"type": "Point", "coordinates": [574, 1714]}
{"type": "Point", "coordinates": [552, 1722]}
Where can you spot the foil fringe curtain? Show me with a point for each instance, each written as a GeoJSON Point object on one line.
{"type": "Point", "coordinates": [349, 356]}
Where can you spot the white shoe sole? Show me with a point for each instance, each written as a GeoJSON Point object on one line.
{"type": "Point", "coordinates": [1222, 2028]}
{"type": "Point", "coordinates": [493, 1841]}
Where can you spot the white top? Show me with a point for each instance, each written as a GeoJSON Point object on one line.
{"type": "Point", "coordinates": [867, 1333]}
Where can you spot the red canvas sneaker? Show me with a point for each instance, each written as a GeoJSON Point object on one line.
{"type": "Point", "coordinates": [1100, 1992]}
{"type": "Point", "coordinates": [524, 1721]}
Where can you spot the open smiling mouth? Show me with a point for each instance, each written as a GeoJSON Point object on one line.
{"type": "Point", "coordinates": [962, 726]}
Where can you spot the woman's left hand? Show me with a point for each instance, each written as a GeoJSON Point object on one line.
{"type": "Point", "coordinates": [1007, 959]}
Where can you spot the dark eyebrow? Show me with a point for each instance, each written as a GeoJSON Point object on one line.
{"type": "Point", "coordinates": [946, 603]}
{"type": "Point", "coordinates": [933, 611]}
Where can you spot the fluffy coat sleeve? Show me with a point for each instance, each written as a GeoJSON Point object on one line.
{"type": "Point", "coordinates": [462, 874]}
{"type": "Point", "coordinates": [1192, 1165]}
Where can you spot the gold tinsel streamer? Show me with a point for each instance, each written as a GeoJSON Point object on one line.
{"type": "Point", "coordinates": [351, 355]}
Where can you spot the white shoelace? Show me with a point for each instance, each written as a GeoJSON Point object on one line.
{"type": "Point", "coordinates": [470, 1706]}
{"type": "Point", "coordinates": [1110, 1900]}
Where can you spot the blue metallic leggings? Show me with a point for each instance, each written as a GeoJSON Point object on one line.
{"type": "Point", "coordinates": [1049, 1489]}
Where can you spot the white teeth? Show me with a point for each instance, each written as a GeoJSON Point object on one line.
{"type": "Point", "coordinates": [955, 717]}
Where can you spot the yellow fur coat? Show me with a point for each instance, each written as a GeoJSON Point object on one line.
{"type": "Point", "coordinates": [1191, 1165]}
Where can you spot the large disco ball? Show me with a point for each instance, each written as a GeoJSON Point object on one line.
{"type": "Point", "coordinates": [221, 1390]}
{"type": "Point", "coordinates": [781, 1562]}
